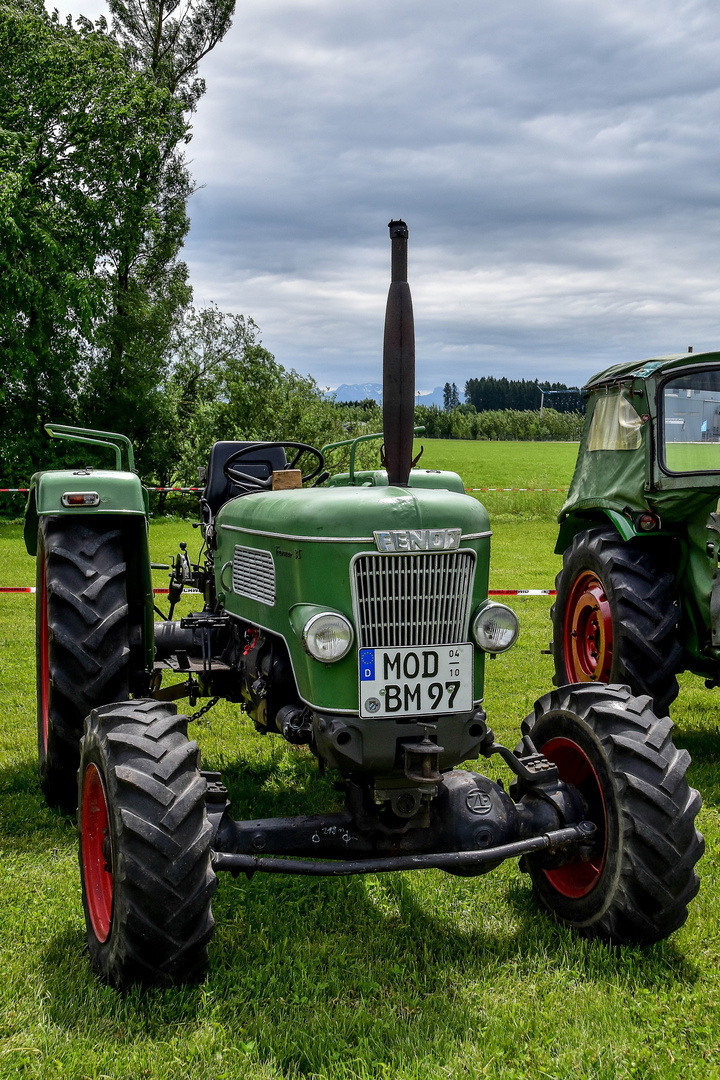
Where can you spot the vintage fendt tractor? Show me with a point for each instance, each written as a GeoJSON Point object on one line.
{"type": "Point", "coordinates": [350, 615]}
{"type": "Point", "coordinates": [638, 598]}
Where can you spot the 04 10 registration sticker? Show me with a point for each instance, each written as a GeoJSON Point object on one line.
{"type": "Point", "coordinates": [417, 681]}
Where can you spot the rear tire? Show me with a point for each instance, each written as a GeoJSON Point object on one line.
{"type": "Point", "coordinates": [145, 838]}
{"type": "Point", "coordinates": [635, 887]}
{"type": "Point", "coordinates": [616, 616]}
{"type": "Point", "coordinates": [82, 641]}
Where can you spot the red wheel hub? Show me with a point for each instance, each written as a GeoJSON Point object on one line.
{"type": "Point", "coordinates": [44, 654]}
{"type": "Point", "coordinates": [97, 852]}
{"type": "Point", "coordinates": [578, 878]}
{"type": "Point", "coordinates": [587, 631]}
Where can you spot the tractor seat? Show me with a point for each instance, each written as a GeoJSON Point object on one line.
{"type": "Point", "coordinates": [218, 489]}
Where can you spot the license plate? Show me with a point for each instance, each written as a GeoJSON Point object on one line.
{"type": "Point", "coordinates": [426, 680]}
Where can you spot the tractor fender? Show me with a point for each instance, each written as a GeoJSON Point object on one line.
{"type": "Point", "coordinates": [573, 524]}
{"type": "Point", "coordinates": [118, 493]}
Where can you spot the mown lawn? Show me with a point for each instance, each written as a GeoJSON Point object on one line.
{"type": "Point", "coordinates": [409, 976]}
{"type": "Point", "coordinates": [507, 465]}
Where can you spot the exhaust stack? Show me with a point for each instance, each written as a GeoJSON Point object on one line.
{"type": "Point", "coordinates": [399, 364]}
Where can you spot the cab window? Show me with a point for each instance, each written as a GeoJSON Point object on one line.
{"type": "Point", "coordinates": [690, 420]}
{"type": "Point", "coordinates": [615, 425]}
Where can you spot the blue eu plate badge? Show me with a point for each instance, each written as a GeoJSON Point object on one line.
{"type": "Point", "coordinates": [367, 665]}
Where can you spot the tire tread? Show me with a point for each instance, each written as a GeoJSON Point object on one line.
{"type": "Point", "coordinates": [163, 880]}
{"type": "Point", "coordinates": [88, 639]}
{"type": "Point", "coordinates": [660, 845]}
{"type": "Point", "coordinates": [647, 652]}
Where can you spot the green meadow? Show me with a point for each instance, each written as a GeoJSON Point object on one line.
{"type": "Point", "coordinates": [692, 457]}
{"type": "Point", "coordinates": [529, 465]}
{"type": "Point", "coordinates": [389, 977]}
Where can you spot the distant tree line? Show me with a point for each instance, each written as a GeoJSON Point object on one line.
{"type": "Point", "coordinates": [505, 424]}
{"type": "Point", "coordinates": [489, 393]}
{"type": "Point", "coordinates": [464, 422]}
{"type": "Point", "coordinates": [367, 405]}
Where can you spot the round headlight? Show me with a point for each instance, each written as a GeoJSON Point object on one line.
{"type": "Point", "coordinates": [496, 628]}
{"type": "Point", "coordinates": [327, 637]}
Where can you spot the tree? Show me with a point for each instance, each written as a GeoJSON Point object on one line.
{"type": "Point", "coordinates": [225, 385]}
{"type": "Point", "coordinates": [447, 397]}
{"type": "Point", "coordinates": [78, 127]}
{"type": "Point", "coordinates": [146, 278]}
{"type": "Point", "coordinates": [168, 38]}
{"type": "Point", "coordinates": [147, 290]}
{"type": "Point", "coordinates": [93, 214]}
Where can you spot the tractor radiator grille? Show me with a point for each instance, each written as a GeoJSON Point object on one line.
{"type": "Point", "coordinates": [253, 575]}
{"type": "Point", "coordinates": [413, 599]}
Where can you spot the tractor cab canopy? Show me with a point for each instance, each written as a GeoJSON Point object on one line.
{"type": "Point", "coordinates": [650, 443]}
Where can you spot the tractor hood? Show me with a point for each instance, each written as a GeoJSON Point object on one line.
{"type": "Point", "coordinates": [352, 514]}
{"type": "Point", "coordinates": [281, 553]}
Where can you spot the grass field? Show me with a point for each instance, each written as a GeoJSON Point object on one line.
{"type": "Point", "coordinates": [507, 464]}
{"type": "Point", "coordinates": [692, 457]}
{"type": "Point", "coordinates": [402, 976]}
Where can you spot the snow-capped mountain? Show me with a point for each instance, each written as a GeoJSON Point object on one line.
{"type": "Point", "coordinates": [361, 391]}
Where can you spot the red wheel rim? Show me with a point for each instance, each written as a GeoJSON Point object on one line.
{"type": "Point", "coordinates": [587, 631]}
{"type": "Point", "coordinates": [44, 655]}
{"type": "Point", "coordinates": [578, 878]}
{"type": "Point", "coordinates": [97, 853]}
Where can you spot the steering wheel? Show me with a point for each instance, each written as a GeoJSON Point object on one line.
{"type": "Point", "coordinates": [256, 483]}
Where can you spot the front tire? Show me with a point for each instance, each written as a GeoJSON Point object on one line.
{"type": "Point", "coordinates": [640, 877]}
{"type": "Point", "coordinates": [82, 641]}
{"type": "Point", "coordinates": [147, 882]}
{"type": "Point", "coordinates": [616, 616]}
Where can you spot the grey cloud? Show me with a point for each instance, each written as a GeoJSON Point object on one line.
{"type": "Point", "coordinates": [557, 164]}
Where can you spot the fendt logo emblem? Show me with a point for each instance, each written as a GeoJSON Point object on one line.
{"type": "Point", "coordinates": [418, 540]}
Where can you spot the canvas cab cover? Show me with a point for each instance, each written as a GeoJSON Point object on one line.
{"type": "Point", "coordinates": [651, 439]}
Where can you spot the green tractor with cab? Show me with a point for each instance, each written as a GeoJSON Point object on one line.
{"type": "Point", "coordinates": [348, 614]}
{"type": "Point", "coordinates": [638, 597]}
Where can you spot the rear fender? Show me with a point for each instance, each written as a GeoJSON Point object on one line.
{"type": "Point", "coordinates": [117, 493]}
{"type": "Point", "coordinates": [573, 524]}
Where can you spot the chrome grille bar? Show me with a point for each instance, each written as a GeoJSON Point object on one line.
{"type": "Point", "coordinates": [418, 599]}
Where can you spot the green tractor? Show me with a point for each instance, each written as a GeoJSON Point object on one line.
{"type": "Point", "coordinates": [348, 614]}
{"type": "Point", "coordinates": [638, 598]}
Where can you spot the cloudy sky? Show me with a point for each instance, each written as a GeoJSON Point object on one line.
{"type": "Point", "coordinates": [557, 163]}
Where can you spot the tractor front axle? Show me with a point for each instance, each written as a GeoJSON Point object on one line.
{"type": "Point", "coordinates": [469, 826]}
{"type": "Point", "coordinates": [452, 861]}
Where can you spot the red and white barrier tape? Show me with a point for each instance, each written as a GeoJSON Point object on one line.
{"type": "Point", "coordinates": [196, 592]}
{"type": "Point", "coordinates": [182, 490]}
{"type": "Point", "coordinates": [190, 592]}
{"type": "Point", "coordinates": [522, 592]}
{"type": "Point", "coordinates": [31, 589]}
